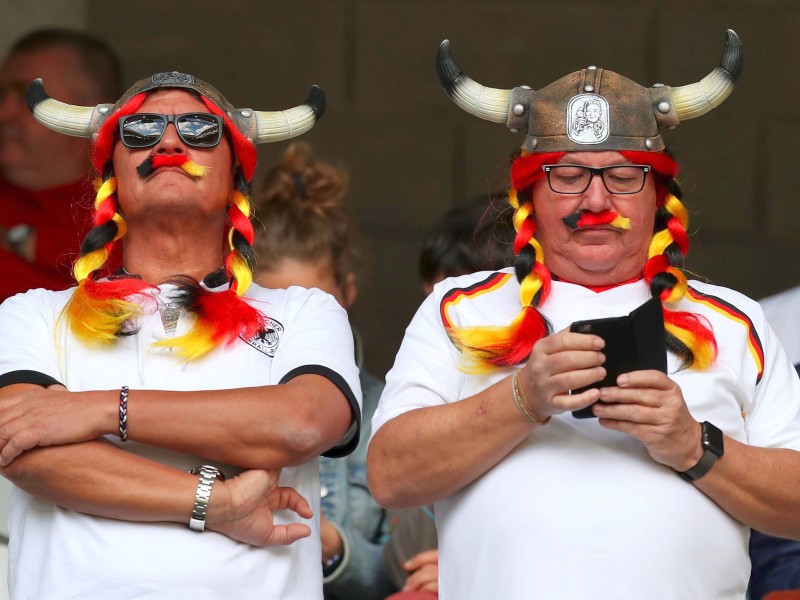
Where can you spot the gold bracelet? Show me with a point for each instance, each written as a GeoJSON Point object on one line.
{"type": "Point", "coordinates": [521, 403]}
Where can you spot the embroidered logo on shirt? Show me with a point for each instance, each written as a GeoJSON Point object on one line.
{"type": "Point", "coordinates": [266, 341]}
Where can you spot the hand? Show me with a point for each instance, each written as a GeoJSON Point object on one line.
{"type": "Point", "coordinates": [649, 406]}
{"type": "Point", "coordinates": [559, 363]}
{"type": "Point", "coordinates": [244, 507]}
{"type": "Point", "coordinates": [423, 572]}
{"type": "Point", "coordinates": [50, 416]}
{"type": "Point", "coordinates": [331, 540]}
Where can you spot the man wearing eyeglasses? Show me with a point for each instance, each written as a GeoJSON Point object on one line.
{"type": "Point", "coordinates": [45, 184]}
{"type": "Point", "coordinates": [547, 481]}
{"type": "Point", "coordinates": [162, 421]}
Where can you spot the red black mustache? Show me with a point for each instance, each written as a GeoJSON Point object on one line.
{"type": "Point", "coordinates": [170, 160]}
{"type": "Point", "coordinates": [584, 218]}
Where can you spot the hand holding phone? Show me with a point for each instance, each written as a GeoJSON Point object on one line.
{"type": "Point", "coordinates": [634, 342]}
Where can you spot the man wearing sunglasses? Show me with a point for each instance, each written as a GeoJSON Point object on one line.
{"type": "Point", "coordinates": [162, 421]}
{"type": "Point", "coordinates": [45, 185]}
{"type": "Point", "coordinates": [547, 481]}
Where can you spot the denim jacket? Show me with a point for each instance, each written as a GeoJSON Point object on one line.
{"type": "Point", "coordinates": [349, 506]}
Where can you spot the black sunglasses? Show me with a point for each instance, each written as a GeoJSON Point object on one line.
{"type": "Point", "coordinates": [199, 130]}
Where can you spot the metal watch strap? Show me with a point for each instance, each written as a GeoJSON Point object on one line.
{"type": "Point", "coordinates": [207, 475]}
{"type": "Point", "coordinates": [712, 449]}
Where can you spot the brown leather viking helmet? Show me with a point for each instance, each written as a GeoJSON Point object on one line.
{"type": "Point", "coordinates": [258, 126]}
{"type": "Point", "coordinates": [592, 109]}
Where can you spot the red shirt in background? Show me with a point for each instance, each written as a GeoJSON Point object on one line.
{"type": "Point", "coordinates": [61, 217]}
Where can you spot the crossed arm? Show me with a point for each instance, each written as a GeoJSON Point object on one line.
{"type": "Point", "coordinates": [50, 448]}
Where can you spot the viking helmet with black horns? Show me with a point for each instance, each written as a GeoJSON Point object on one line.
{"type": "Point", "coordinates": [592, 109]}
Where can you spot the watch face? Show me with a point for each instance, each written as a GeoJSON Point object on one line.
{"type": "Point", "coordinates": [19, 233]}
{"type": "Point", "coordinates": [712, 439]}
{"type": "Point", "coordinates": [209, 471]}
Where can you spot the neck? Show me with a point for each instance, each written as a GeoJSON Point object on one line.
{"type": "Point", "coordinates": [160, 255]}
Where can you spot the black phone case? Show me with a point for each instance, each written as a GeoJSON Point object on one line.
{"type": "Point", "coordinates": [634, 342]}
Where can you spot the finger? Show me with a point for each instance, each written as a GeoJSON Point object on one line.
{"type": "Point", "coordinates": [423, 558]}
{"type": "Point", "coordinates": [619, 425]}
{"type": "Point", "coordinates": [421, 577]}
{"type": "Point", "coordinates": [283, 535]}
{"type": "Point", "coordinates": [569, 340]}
{"type": "Point", "coordinates": [646, 379]}
{"type": "Point", "coordinates": [17, 443]}
{"type": "Point", "coordinates": [289, 498]}
{"type": "Point", "coordinates": [577, 360]}
{"type": "Point", "coordinates": [626, 413]}
{"type": "Point", "coordinates": [431, 586]}
{"type": "Point", "coordinates": [618, 395]}
{"type": "Point", "coordinates": [577, 379]}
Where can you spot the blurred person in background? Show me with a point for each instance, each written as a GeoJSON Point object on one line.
{"type": "Point", "coordinates": [310, 240]}
{"type": "Point", "coordinates": [776, 561]}
{"type": "Point", "coordinates": [45, 177]}
{"type": "Point", "coordinates": [471, 237]}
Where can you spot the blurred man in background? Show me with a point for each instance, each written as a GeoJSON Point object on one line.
{"type": "Point", "coordinates": [45, 190]}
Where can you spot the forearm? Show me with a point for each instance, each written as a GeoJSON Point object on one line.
{"type": "Point", "coordinates": [431, 453]}
{"type": "Point", "coordinates": [266, 427]}
{"type": "Point", "coordinates": [98, 479]}
{"type": "Point", "coordinates": [758, 486]}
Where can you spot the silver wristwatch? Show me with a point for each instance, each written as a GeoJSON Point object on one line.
{"type": "Point", "coordinates": [18, 235]}
{"type": "Point", "coordinates": [207, 475]}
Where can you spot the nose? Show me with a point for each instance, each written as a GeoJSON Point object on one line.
{"type": "Point", "coordinates": [596, 198]}
{"type": "Point", "coordinates": [170, 142]}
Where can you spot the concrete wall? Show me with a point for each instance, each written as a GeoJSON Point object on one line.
{"type": "Point", "coordinates": [412, 154]}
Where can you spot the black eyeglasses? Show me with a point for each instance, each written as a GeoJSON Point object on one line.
{"type": "Point", "coordinates": [575, 179]}
{"type": "Point", "coordinates": [199, 130]}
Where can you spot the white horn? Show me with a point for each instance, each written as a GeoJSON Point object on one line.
{"type": "Point", "coordinates": [484, 102]}
{"type": "Point", "coordinates": [276, 126]}
{"type": "Point", "coordinates": [697, 99]}
{"type": "Point", "coordinates": [69, 119]}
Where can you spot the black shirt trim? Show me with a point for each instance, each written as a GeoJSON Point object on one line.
{"type": "Point", "coordinates": [33, 377]}
{"type": "Point", "coordinates": [353, 433]}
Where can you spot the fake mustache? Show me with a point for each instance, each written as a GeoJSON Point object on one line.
{"type": "Point", "coordinates": [587, 219]}
{"type": "Point", "coordinates": [170, 160]}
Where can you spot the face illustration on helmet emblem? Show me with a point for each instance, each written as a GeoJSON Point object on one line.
{"type": "Point", "coordinates": [588, 119]}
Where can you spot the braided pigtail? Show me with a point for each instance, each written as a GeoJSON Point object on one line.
{"type": "Point", "coordinates": [688, 335]}
{"type": "Point", "coordinates": [486, 347]}
{"type": "Point", "coordinates": [102, 310]}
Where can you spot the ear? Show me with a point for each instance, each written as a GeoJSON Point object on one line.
{"type": "Point", "coordinates": [349, 291]}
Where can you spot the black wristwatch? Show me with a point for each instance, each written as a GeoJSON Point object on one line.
{"type": "Point", "coordinates": [713, 448]}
